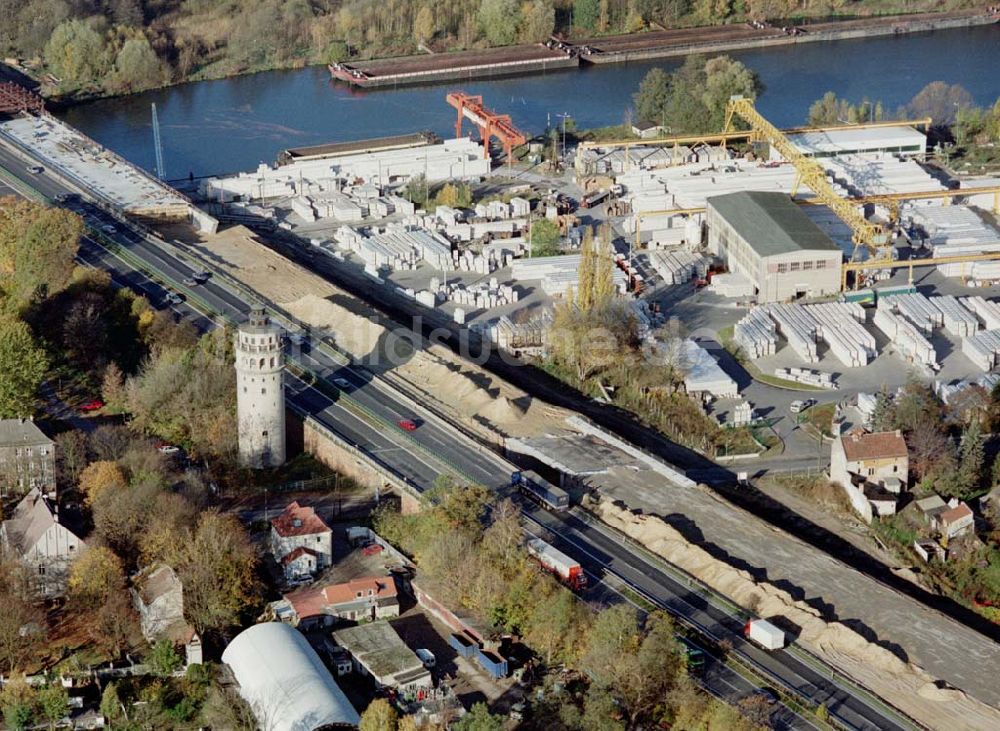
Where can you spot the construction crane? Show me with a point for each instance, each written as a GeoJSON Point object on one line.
{"type": "Point", "coordinates": [157, 145]}
{"type": "Point", "coordinates": [911, 264]}
{"type": "Point", "coordinates": [810, 173]}
{"type": "Point", "coordinates": [489, 123]}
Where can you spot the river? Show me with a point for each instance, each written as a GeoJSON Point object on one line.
{"type": "Point", "coordinates": [213, 127]}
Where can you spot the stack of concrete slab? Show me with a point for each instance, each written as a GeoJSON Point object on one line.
{"type": "Point", "coordinates": [918, 310]}
{"type": "Point", "coordinates": [907, 339]}
{"type": "Point", "coordinates": [303, 208]}
{"type": "Point", "coordinates": [677, 267]}
{"type": "Point", "coordinates": [448, 216]}
{"type": "Point", "coordinates": [983, 348]}
{"type": "Point", "coordinates": [840, 325]}
{"type": "Point", "coordinates": [756, 334]}
{"type": "Point", "coordinates": [482, 295]}
{"type": "Point", "coordinates": [806, 376]}
{"type": "Point", "coordinates": [397, 247]}
{"type": "Point", "coordinates": [957, 320]}
{"type": "Point", "coordinates": [732, 284]}
{"type": "Point", "coordinates": [520, 207]}
{"type": "Point", "coordinates": [869, 175]}
{"type": "Point", "coordinates": [507, 227]}
{"type": "Point", "coordinates": [957, 231]}
{"type": "Point", "coordinates": [557, 274]}
{"type": "Point", "coordinates": [798, 328]}
{"type": "Point", "coordinates": [401, 205]}
{"type": "Point", "coordinates": [986, 310]}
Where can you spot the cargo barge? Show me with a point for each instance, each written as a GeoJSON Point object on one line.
{"type": "Point", "coordinates": [557, 55]}
{"type": "Point", "coordinates": [462, 65]}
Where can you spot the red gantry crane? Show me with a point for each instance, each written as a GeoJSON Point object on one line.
{"type": "Point", "coordinates": [490, 123]}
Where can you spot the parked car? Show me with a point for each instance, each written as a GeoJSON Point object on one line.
{"type": "Point", "coordinates": [164, 448]}
{"type": "Point", "coordinates": [798, 406]}
{"type": "Point", "coordinates": [299, 581]}
{"type": "Point", "coordinates": [92, 405]}
{"type": "Point", "coordinates": [426, 657]}
{"type": "Point", "coordinates": [407, 424]}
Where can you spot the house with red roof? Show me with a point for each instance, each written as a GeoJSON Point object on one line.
{"type": "Point", "coordinates": [302, 543]}
{"type": "Point", "coordinates": [873, 469]}
{"type": "Point", "coordinates": [365, 599]}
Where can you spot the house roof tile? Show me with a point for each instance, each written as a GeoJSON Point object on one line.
{"type": "Point", "coordinates": [860, 445]}
{"type": "Point", "coordinates": [312, 600]}
{"type": "Point", "coordinates": [299, 520]}
{"type": "Point", "coordinates": [956, 514]}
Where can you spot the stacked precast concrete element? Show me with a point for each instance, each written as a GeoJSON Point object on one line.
{"type": "Point", "coordinates": [756, 334]}
{"type": "Point", "coordinates": [956, 319]}
{"type": "Point", "coordinates": [841, 326]}
{"type": "Point", "coordinates": [918, 310]}
{"type": "Point", "coordinates": [904, 334]}
{"type": "Point", "coordinates": [677, 267]}
{"type": "Point", "coordinates": [983, 348]}
{"type": "Point", "coordinates": [798, 328]}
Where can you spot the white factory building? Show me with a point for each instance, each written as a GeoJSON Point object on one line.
{"type": "Point", "coordinates": [896, 140]}
{"type": "Point", "coordinates": [769, 239]}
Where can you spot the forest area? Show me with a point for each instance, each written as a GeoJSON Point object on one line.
{"type": "Point", "coordinates": [83, 48]}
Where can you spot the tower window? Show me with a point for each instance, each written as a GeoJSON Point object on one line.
{"type": "Point", "coordinates": [263, 391]}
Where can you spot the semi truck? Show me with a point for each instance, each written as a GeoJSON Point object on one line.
{"type": "Point", "coordinates": [596, 198]}
{"type": "Point", "coordinates": [763, 633]}
{"type": "Point", "coordinates": [540, 490]}
{"type": "Point", "coordinates": [565, 569]}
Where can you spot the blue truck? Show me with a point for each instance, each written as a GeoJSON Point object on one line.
{"type": "Point", "coordinates": [537, 488]}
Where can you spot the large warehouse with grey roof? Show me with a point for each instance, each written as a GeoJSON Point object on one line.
{"type": "Point", "coordinates": [769, 239]}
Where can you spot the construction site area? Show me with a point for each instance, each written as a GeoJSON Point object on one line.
{"type": "Point", "coordinates": [812, 253]}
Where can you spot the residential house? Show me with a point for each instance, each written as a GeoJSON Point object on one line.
{"type": "Point", "coordinates": [299, 527]}
{"type": "Point", "coordinates": [930, 507]}
{"type": "Point", "coordinates": [27, 458]}
{"type": "Point", "coordinates": [369, 598]}
{"type": "Point", "coordinates": [955, 521]}
{"type": "Point", "coordinates": [872, 467]}
{"type": "Point", "coordinates": [159, 599]}
{"type": "Point", "coordinates": [35, 535]}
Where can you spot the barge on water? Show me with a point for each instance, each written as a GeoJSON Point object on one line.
{"type": "Point", "coordinates": [373, 145]}
{"type": "Point", "coordinates": [462, 65]}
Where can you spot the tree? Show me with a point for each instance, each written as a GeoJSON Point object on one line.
{"type": "Point", "coordinates": [100, 476]}
{"type": "Point", "coordinates": [550, 628]}
{"type": "Point", "coordinates": [971, 462]}
{"type": "Point", "coordinates": [538, 19]}
{"type": "Point", "coordinates": [111, 705]}
{"type": "Point", "coordinates": [95, 575]}
{"type": "Point", "coordinates": [53, 702]}
{"type": "Point", "coordinates": [163, 658]}
{"type": "Point", "coordinates": [379, 716]}
{"type": "Point", "coordinates": [586, 13]}
{"type": "Point", "coordinates": [940, 101]}
{"type": "Point", "coordinates": [113, 386]}
{"type": "Point", "coordinates": [38, 247]}
{"type": "Point", "coordinates": [545, 238]}
{"type": "Point", "coordinates": [337, 52]}
{"type": "Point", "coordinates": [137, 67]}
{"type": "Point", "coordinates": [498, 21]}
{"type": "Point", "coordinates": [23, 365]}
{"type": "Point", "coordinates": [113, 624]}
{"type": "Point", "coordinates": [725, 78]}
{"type": "Point", "coordinates": [479, 718]}
{"type": "Point", "coordinates": [21, 619]}
{"type": "Point", "coordinates": [77, 53]}
{"type": "Point", "coordinates": [423, 24]}
{"type": "Point", "coordinates": [931, 450]}
{"type": "Point", "coordinates": [71, 455]}
{"type": "Point", "coordinates": [651, 99]}
{"type": "Point", "coordinates": [216, 568]}
{"type": "Point", "coordinates": [19, 701]}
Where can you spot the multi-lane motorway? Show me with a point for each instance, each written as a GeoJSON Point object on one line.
{"type": "Point", "coordinates": [366, 412]}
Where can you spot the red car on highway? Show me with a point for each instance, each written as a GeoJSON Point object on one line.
{"type": "Point", "coordinates": [407, 424]}
{"type": "Point", "coordinates": [92, 405]}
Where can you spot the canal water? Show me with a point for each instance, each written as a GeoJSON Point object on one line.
{"type": "Point", "coordinates": [214, 127]}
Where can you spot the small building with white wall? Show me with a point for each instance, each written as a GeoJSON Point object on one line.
{"type": "Point", "coordinates": [895, 140]}
{"type": "Point", "coordinates": [770, 240]}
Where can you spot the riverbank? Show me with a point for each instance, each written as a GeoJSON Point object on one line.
{"type": "Point", "coordinates": [538, 58]}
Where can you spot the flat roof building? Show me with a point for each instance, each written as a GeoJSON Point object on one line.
{"type": "Point", "coordinates": [378, 651]}
{"type": "Point", "coordinates": [770, 240]}
{"type": "Point", "coordinates": [285, 683]}
{"type": "Point", "coordinates": [899, 140]}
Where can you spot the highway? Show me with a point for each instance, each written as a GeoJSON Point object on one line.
{"type": "Point", "coordinates": [366, 412]}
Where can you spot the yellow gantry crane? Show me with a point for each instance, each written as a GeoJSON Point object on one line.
{"type": "Point", "coordinates": [872, 236]}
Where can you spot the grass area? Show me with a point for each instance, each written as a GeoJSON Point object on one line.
{"type": "Point", "coordinates": [820, 418]}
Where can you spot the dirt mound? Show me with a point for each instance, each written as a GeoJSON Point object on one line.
{"type": "Point", "coordinates": [908, 686]}
{"type": "Point", "coordinates": [357, 335]}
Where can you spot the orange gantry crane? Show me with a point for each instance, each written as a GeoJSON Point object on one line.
{"type": "Point", "coordinates": [489, 123]}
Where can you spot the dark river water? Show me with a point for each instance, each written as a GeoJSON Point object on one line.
{"type": "Point", "coordinates": [222, 126]}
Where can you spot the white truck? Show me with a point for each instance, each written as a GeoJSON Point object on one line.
{"type": "Point", "coordinates": [763, 633]}
{"type": "Point", "coordinates": [555, 561]}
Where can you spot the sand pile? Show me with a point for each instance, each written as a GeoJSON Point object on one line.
{"type": "Point", "coordinates": [908, 686]}
{"type": "Point", "coordinates": [355, 334]}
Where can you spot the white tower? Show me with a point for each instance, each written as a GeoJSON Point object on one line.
{"type": "Point", "coordinates": [260, 392]}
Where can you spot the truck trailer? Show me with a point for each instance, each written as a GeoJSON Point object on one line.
{"type": "Point", "coordinates": [566, 569]}
{"type": "Point", "coordinates": [540, 490]}
{"type": "Point", "coordinates": [763, 633]}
